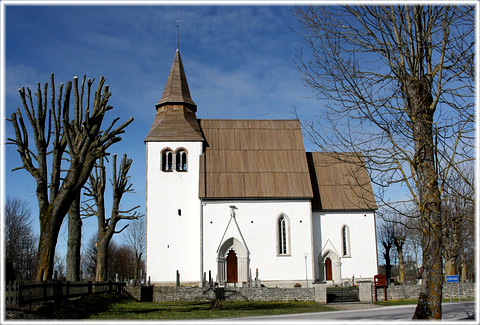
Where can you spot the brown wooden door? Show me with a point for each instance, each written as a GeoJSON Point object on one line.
{"type": "Point", "coordinates": [328, 268]}
{"type": "Point", "coordinates": [232, 269]}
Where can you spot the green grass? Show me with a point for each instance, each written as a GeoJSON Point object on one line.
{"type": "Point", "coordinates": [202, 310]}
{"type": "Point", "coordinates": [396, 302]}
{"type": "Point", "coordinates": [80, 308]}
{"type": "Point", "coordinates": [115, 306]}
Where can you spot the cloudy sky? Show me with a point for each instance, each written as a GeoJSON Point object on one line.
{"type": "Point", "coordinates": [239, 61]}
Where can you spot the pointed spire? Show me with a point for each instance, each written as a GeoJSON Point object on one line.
{"type": "Point", "coordinates": [176, 90]}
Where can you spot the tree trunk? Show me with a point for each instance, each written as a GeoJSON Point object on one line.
{"type": "Point", "coordinates": [463, 270]}
{"type": "Point", "coordinates": [429, 199]}
{"type": "Point", "coordinates": [102, 259]}
{"type": "Point", "coordinates": [46, 245]}
{"type": "Point", "coordinates": [401, 266]}
{"type": "Point", "coordinates": [74, 241]}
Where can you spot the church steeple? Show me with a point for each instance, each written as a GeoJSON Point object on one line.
{"type": "Point", "coordinates": [176, 90]}
{"type": "Point", "coordinates": [175, 119]}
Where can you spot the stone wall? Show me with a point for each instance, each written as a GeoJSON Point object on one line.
{"type": "Point", "coordinates": [318, 294]}
{"type": "Point", "coordinates": [163, 294]}
{"type": "Point", "coordinates": [412, 291]}
{"type": "Point", "coordinates": [250, 294]}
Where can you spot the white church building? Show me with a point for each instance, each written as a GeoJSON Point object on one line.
{"type": "Point", "coordinates": [239, 199]}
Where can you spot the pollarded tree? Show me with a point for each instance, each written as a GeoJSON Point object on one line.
{"type": "Point", "coordinates": [59, 136]}
{"type": "Point", "coordinates": [106, 226]}
{"type": "Point", "coordinates": [397, 83]}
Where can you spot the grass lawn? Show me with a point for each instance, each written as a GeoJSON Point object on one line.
{"type": "Point", "coordinates": [115, 306]}
{"type": "Point", "coordinates": [202, 310]}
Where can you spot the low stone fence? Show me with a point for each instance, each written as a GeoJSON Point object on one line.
{"type": "Point", "coordinates": [412, 291]}
{"type": "Point", "coordinates": [163, 294]}
{"type": "Point", "coordinates": [318, 293]}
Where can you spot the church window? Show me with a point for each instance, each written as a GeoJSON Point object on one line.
{"type": "Point", "coordinates": [181, 160]}
{"type": "Point", "coordinates": [346, 241]}
{"type": "Point", "coordinates": [167, 160]}
{"type": "Point", "coordinates": [282, 236]}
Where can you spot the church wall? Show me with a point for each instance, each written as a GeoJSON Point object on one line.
{"type": "Point", "coordinates": [361, 258]}
{"type": "Point", "coordinates": [257, 221]}
{"type": "Point", "coordinates": [172, 239]}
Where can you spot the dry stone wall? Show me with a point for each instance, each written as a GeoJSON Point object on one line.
{"type": "Point", "coordinates": [413, 291]}
{"type": "Point", "coordinates": [164, 294]}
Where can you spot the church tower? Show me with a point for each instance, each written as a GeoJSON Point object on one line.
{"type": "Point", "coordinates": [174, 145]}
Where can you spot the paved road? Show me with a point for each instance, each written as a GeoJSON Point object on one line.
{"type": "Point", "coordinates": [451, 312]}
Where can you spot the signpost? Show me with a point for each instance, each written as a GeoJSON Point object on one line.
{"type": "Point", "coordinates": [453, 279]}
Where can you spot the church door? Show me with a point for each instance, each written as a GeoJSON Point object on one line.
{"type": "Point", "coordinates": [328, 268]}
{"type": "Point", "coordinates": [232, 269]}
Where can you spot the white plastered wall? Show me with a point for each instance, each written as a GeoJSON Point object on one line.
{"type": "Point", "coordinates": [361, 262]}
{"type": "Point", "coordinates": [172, 240]}
{"type": "Point", "coordinates": [257, 224]}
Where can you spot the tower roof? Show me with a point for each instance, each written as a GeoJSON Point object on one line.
{"type": "Point", "coordinates": [176, 90]}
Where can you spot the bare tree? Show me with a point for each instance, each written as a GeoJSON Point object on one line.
{"type": "Point", "coordinates": [106, 226]}
{"type": "Point", "coordinates": [135, 240]}
{"type": "Point", "coordinates": [20, 241]}
{"type": "Point", "coordinates": [58, 137]}
{"type": "Point", "coordinates": [385, 237]}
{"type": "Point", "coordinates": [397, 83]}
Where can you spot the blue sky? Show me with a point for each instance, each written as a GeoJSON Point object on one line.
{"type": "Point", "coordinates": [239, 62]}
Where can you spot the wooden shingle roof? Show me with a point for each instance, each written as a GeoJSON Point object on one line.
{"type": "Point", "coordinates": [175, 123]}
{"type": "Point", "coordinates": [340, 181]}
{"type": "Point", "coordinates": [254, 159]}
{"type": "Point", "coordinates": [176, 90]}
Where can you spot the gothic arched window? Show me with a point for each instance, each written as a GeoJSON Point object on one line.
{"type": "Point", "coordinates": [345, 241]}
{"type": "Point", "coordinates": [283, 236]}
{"type": "Point", "coordinates": [167, 160]}
{"type": "Point", "coordinates": [181, 160]}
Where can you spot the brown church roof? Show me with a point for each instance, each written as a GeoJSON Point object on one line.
{"type": "Point", "coordinates": [340, 181]}
{"type": "Point", "coordinates": [254, 159]}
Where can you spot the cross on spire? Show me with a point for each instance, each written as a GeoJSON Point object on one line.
{"type": "Point", "coordinates": [178, 32]}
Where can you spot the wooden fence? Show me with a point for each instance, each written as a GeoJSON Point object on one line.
{"type": "Point", "coordinates": [21, 294]}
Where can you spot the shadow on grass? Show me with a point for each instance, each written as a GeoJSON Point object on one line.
{"type": "Point", "coordinates": [80, 308]}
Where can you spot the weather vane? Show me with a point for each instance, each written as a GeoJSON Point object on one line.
{"type": "Point", "coordinates": [178, 32]}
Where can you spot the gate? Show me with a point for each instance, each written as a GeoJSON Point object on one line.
{"type": "Point", "coordinates": [342, 294]}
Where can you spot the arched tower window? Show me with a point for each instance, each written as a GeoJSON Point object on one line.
{"type": "Point", "coordinates": [181, 160]}
{"type": "Point", "coordinates": [283, 236]}
{"type": "Point", "coordinates": [167, 160]}
{"type": "Point", "coordinates": [345, 241]}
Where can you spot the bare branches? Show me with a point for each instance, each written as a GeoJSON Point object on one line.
{"type": "Point", "coordinates": [57, 135]}
{"type": "Point", "coordinates": [96, 193]}
{"type": "Point", "coordinates": [396, 84]}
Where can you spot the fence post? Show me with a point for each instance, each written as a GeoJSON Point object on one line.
{"type": "Point", "coordinates": [67, 289]}
{"type": "Point", "coordinates": [9, 293]}
{"type": "Point", "coordinates": [89, 286]}
{"type": "Point", "coordinates": [44, 286]}
{"type": "Point", "coordinates": [16, 293]}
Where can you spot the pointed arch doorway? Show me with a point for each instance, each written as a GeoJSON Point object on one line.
{"type": "Point", "coordinates": [233, 262]}
{"type": "Point", "coordinates": [328, 269]}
